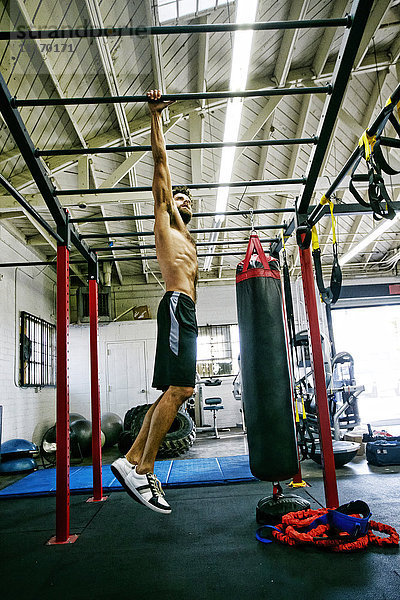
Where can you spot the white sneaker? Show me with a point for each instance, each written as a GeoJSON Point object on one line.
{"type": "Point", "coordinates": [145, 489]}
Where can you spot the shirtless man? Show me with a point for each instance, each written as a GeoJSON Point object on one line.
{"type": "Point", "coordinates": [175, 363]}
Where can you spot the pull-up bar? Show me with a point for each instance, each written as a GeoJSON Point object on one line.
{"type": "Point", "coordinates": [51, 34]}
{"type": "Point", "coordinates": [48, 263]}
{"type": "Point", "coordinates": [152, 246]}
{"type": "Point", "coordinates": [88, 236]}
{"type": "Point", "coordinates": [190, 186]}
{"type": "Point", "coordinates": [191, 146]}
{"type": "Point", "coordinates": [295, 91]}
{"type": "Point", "coordinates": [154, 257]}
{"type": "Point", "coordinates": [231, 213]}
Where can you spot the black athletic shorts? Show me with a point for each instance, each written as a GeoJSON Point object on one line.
{"type": "Point", "coordinates": [175, 362]}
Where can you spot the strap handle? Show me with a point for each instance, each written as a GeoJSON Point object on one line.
{"type": "Point", "coordinates": [377, 192]}
{"type": "Point", "coordinates": [381, 160]}
{"type": "Point", "coordinates": [254, 245]}
{"type": "Point", "coordinates": [331, 294]}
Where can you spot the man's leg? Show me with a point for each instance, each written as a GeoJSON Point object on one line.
{"type": "Point", "coordinates": [134, 455]}
{"type": "Point", "coordinates": [161, 420]}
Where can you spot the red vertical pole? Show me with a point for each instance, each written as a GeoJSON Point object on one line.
{"type": "Point", "coordinates": [95, 391]}
{"type": "Point", "coordinates": [62, 464]}
{"type": "Point", "coordinates": [63, 443]}
{"type": "Point", "coordinates": [328, 460]}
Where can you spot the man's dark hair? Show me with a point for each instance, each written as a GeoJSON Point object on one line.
{"type": "Point", "coordinates": [181, 189]}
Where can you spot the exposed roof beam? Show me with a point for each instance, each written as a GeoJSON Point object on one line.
{"type": "Point", "coordinates": [112, 82]}
{"type": "Point", "coordinates": [367, 117]}
{"type": "Point", "coordinates": [26, 10]}
{"type": "Point", "coordinates": [322, 54]}
{"type": "Point", "coordinates": [130, 162]}
{"type": "Point", "coordinates": [262, 161]}
{"type": "Point", "coordinates": [108, 66]}
{"type": "Point", "coordinates": [258, 123]}
{"type": "Point", "coordinates": [395, 50]}
{"type": "Point", "coordinates": [140, 227]}
{"type": "Point", "coordinates": [156, 56]}
{"type": "Point", "coordinates": [83, 180]}
{"type": "Point", "coordinates": [196, 132]}
{"type": "Point", "coordinates": [202, 61]}
{"type": "Point", "coordinates": [350, 239]}
{"type": "Point", "coordinates": [297, 11]}
{"type": "Point", "coordinates": [374, 22]}
{"type": "Point", "coordinates": [107, 227]}
{"type": "Point", "coordinates": [301, 127]}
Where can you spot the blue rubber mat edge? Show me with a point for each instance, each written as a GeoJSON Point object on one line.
{"type": "Point", "coordinates": [172, 473]}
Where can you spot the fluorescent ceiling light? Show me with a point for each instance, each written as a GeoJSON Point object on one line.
{"type": "Point", "coordinates": [246, 13]}
{"type": "Point", "coordinates": [388, 224]}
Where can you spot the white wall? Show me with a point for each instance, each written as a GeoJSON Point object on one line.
{"type": "Point", "coordinates": [79, 365]}
{"type": "Point", "coordinates": [27, 412]}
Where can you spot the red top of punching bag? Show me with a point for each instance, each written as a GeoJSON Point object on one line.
{"type": "Point", "coordinates": [256, 263]}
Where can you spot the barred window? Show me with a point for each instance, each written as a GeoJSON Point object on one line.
{"type": "Point", "coordinates": [37, 352]}
{"type": "Point", "coordinates": [217, 350]}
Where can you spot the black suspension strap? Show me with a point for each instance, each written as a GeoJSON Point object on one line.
{"type": "Point", "coordinates": [330, 294]}
{"type": "Point", "coordinates": [378, 155]}
{"type": "Point", "coordinates": [379, 200]}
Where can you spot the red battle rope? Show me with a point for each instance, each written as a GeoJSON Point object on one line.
{"type": "Point", "coordinates": [296, 529]}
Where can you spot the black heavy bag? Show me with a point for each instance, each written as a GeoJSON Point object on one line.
{"type": "Point", "coordinates": [266, 385]}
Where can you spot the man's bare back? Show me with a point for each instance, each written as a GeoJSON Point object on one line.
{"type": "Point", "coordinates": [176, 251]}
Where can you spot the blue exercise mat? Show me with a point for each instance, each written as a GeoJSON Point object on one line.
{"type": "Point", "coordinates": [171, 473]}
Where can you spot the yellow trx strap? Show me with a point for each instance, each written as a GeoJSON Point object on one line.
{"type": "Point", "coordinates": [297, 411]}
{"type": "Point", "coordinates": [304, 415]}
{"type": "Point", "coordinates": [283, 240]}
{"type": "Point", "coordinates": [314, 238]}
{"type": "Point", "coordinates": [368, 142]}
{"type": "Point", "coordinates": [314, 234]}
{"type": "Point", "coordinates": [333, 223]}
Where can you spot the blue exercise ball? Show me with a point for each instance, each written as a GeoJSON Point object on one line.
{"type": "Point", "coordinates": [18, 465]}
{"type": "Point", "coordinates": [17, 448]}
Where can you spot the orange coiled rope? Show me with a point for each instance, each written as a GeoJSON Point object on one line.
{"type": "Point", "coordinates": [287, 532]}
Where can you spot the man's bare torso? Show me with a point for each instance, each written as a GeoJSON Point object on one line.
{"type": "Point", "coordinates": [177, 257]}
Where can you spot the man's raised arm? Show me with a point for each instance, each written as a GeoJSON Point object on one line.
{"type": "Point", "coordinates": [162, 188]}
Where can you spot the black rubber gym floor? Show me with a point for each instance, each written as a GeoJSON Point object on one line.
{"type": "Point", "coordinates": [205, 549]}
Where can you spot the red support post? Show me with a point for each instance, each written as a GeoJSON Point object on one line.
{"type": "Point", "coordinates": [63, 439]}
{"type": "Point", "coordinates": [95, 392]}
{"type": "Point", "coordinates": [327, 456]}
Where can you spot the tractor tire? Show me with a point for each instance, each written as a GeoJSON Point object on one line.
{"type": "Point", "coordinates": [179, 438]}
